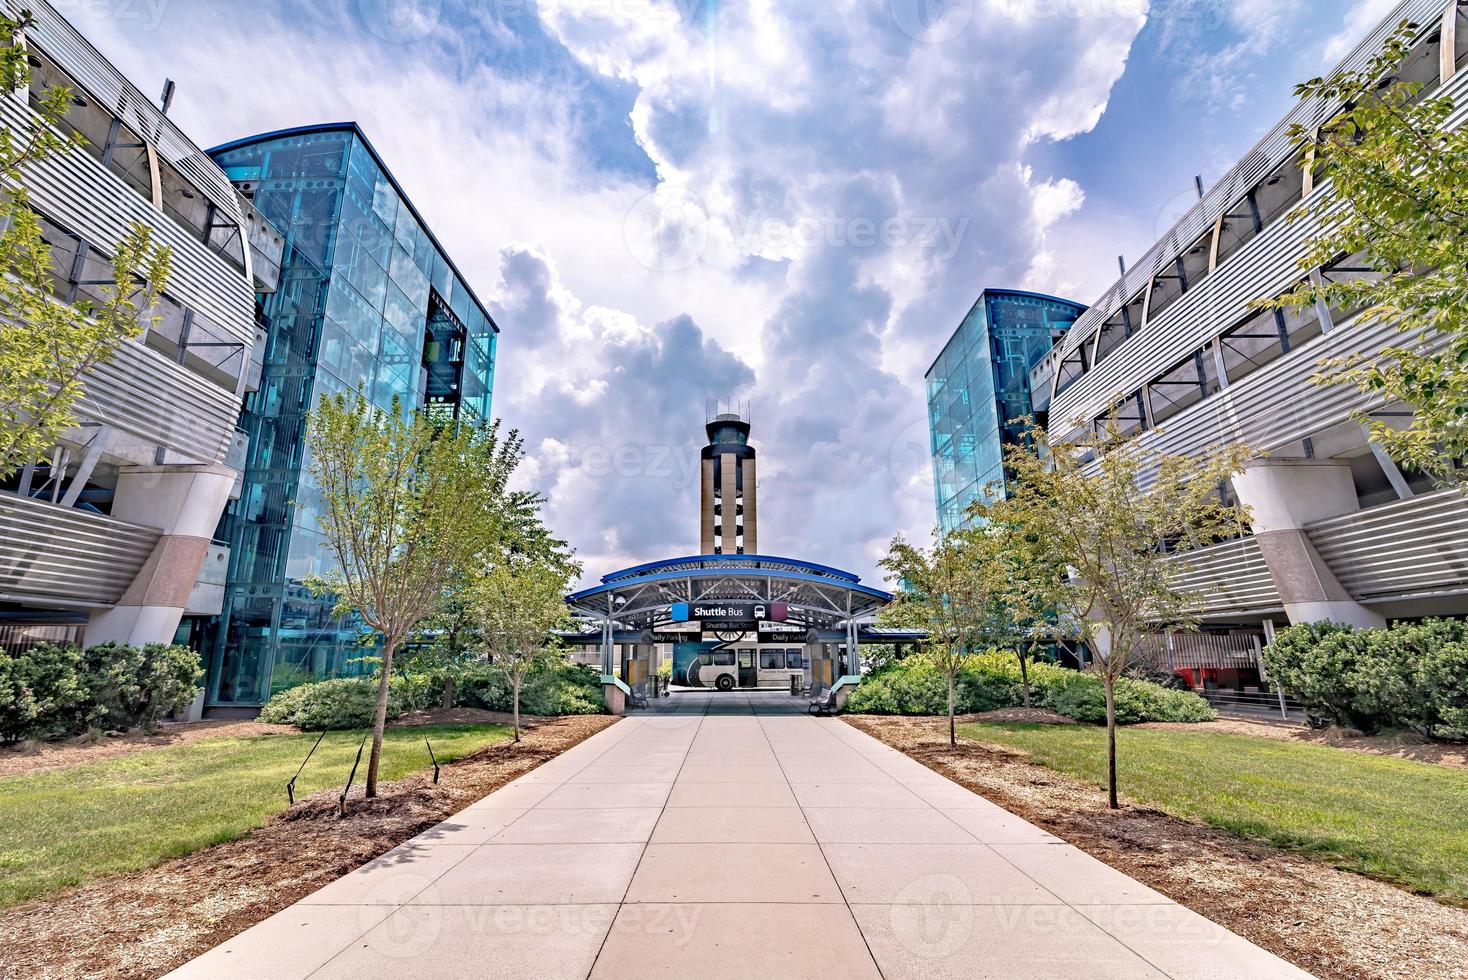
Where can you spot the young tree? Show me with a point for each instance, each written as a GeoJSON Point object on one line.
{"type": "Point", "coordinates": [950, 592]}
{"type": "Point", "coordinates": [405, 504]}
{"type": "Point", "coordinates": [516, 605]}
{"type": "Point", "coordinates": [49, 346]}
{"type": "Point", "coordinates": [1031, 577]}
{"type": "Point", "coordinates": [1118, 515]}
{"type": "Point", "coordinates": [1399, 204]}
{"type": "Point", "coordinates": [450, 639]}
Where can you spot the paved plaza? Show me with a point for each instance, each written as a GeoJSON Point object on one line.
{"type": "Point", "coordinates": [732, 836]}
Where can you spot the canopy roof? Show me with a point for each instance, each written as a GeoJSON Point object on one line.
{"type": "Point", "coordinates": [817, 595]}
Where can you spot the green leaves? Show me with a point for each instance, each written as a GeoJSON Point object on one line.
{"type": "Point", "coordinates": [1117, 517]}
{"type": "Point", "coordinates": [48, 346]}
{"type": "Point", "coordinates": [1399, 207]}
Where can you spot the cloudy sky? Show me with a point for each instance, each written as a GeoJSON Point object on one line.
{"type": "Point", "coordinates": [675, 202]}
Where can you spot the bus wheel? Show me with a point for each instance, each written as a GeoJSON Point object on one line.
{"type": "Point", "coordinates": [724, 683]}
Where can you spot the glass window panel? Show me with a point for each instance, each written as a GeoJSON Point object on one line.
{"type": "Point", "coordinates": [346, 307]}
{"type": "Point", "coordinates": [401, 313]}
{"type": "Point", "coordinates": [410, 279]}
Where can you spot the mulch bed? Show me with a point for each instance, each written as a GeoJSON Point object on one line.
{"type": "Point", "coordinates": [147, 923]}
{"type": "Point", "coordinates": [1334, 924]}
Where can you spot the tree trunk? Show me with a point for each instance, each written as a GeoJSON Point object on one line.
{"type": "Point", "coordinates": [952, 733]}
{"type": "Point", "coordinates": [1024, 672]}
{"type": "Point", "coordinates": [515, 683]}
{"type": "Point", "coordinates": [448, 692]}
{"type": "Point", "coordinates": [380, 722]}
{"type": "Point", "coordinates": [1109, 683]}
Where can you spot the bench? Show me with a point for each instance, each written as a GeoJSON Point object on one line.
{"type": "Point", "coordinates": [823, 704]}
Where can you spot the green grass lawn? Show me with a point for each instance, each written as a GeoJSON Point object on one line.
{"type": "Point", "coordinates": [1394, 819]}
{"type": "Point", "coordinates": [133, 811]}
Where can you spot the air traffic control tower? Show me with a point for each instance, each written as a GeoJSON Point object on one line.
{"type": "Point", "coordinates": [729, 617]}
{"type": "Point", "coordinates": [729, 518]}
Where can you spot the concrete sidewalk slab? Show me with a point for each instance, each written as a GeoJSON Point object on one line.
{"type": "Point", "coordinates": [698, 842]}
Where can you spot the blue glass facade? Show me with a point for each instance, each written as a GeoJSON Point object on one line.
{"type": "Point", "coordinates": [979, 386]}
{"type": "Point", "coordinates": [367, 301]}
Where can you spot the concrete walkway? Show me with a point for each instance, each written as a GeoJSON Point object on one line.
{"type": "Point", "coordinates": [726, 836]}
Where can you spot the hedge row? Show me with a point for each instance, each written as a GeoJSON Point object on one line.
{"type": "Point", "coordinates": [51, 692]}
{"type": "Point", "coordinates": [351, 702]}
{"type": "Point", "coordinates": [991, 681]}
{"type": "Point", "coordinates": [1412, 675]}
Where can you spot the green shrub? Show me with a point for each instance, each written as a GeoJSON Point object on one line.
{"type": "Point", "coordinates": [134, 687]}
{"type": "Point", "coordinates": [50, 691]}
{"type": "Point", "coordinates": [342, 702]}
{"type": "Point", "coordinates": [553, 687]}
{"type": "Point", "coordinates": [991, 681]}
{"type": "Point", "coordinates": [1409, 676]}
{"type": "Point", "coordinates": [41, 693]}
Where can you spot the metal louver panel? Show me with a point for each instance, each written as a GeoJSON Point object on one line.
{"type": "Point", "coordinates": [1279, 404]}
{"type": "Point", "coordinates": [51, 32]}
{"type": "Point", "coordinates": [61, 554]}
{"type": "Point", "coordinates": [78, 192]}
{"type": "Point", "coordinates": [1413, 547]}
{"type": "Point", "coordinates": [1266, 266]}
{"type": "Point", "coordinates": [142, 392]}
{"type": "Point", "coordinates": [1227, 577]}
{"type": "Point", "coordinates": [1273, 149]}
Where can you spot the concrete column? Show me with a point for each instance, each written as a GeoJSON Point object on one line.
{"type": "Point", "coordinates": [706, 509]}
{"type": "Point", "coordinates": [729, 501]}
{"type": "Point", "coordinates": [185, 503]}
{"type": "Point", "coordinates": [751, 509]}
{"type": "Point", "coordinates": [1283, 497]}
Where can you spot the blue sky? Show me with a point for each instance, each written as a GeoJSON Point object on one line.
{"type": "Point", "coordinates": [670, 202]}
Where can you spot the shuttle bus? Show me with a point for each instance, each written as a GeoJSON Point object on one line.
{"type": "Point", "coordinates": [764, 665]}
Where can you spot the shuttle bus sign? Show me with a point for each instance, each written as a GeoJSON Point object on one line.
{"type": "Point", "coordinates": [730, 614]}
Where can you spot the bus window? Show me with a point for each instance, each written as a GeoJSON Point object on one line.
{"type": "Point", "coordinates": [794, 660]}
{"type": "Point", "coordinates": [746, 658]}
{"type": "Point", "coordinates": [723, 658]}
{"type": "Point", "coordinates": [772, 659]}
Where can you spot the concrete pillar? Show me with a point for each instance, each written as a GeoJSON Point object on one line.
{"type": "Point", "coordinates": [185, 503]}
{"type": "Point", "coordinates": [1283, 497]}
{"type": "Point", "coordinates": [729, 501]}
{"type": "Point", "coordinates": [818, 655]}
{"type": "Point", "coordinates": [751, 509]}
{"type": "Point", "coordinates": [706, 510]}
